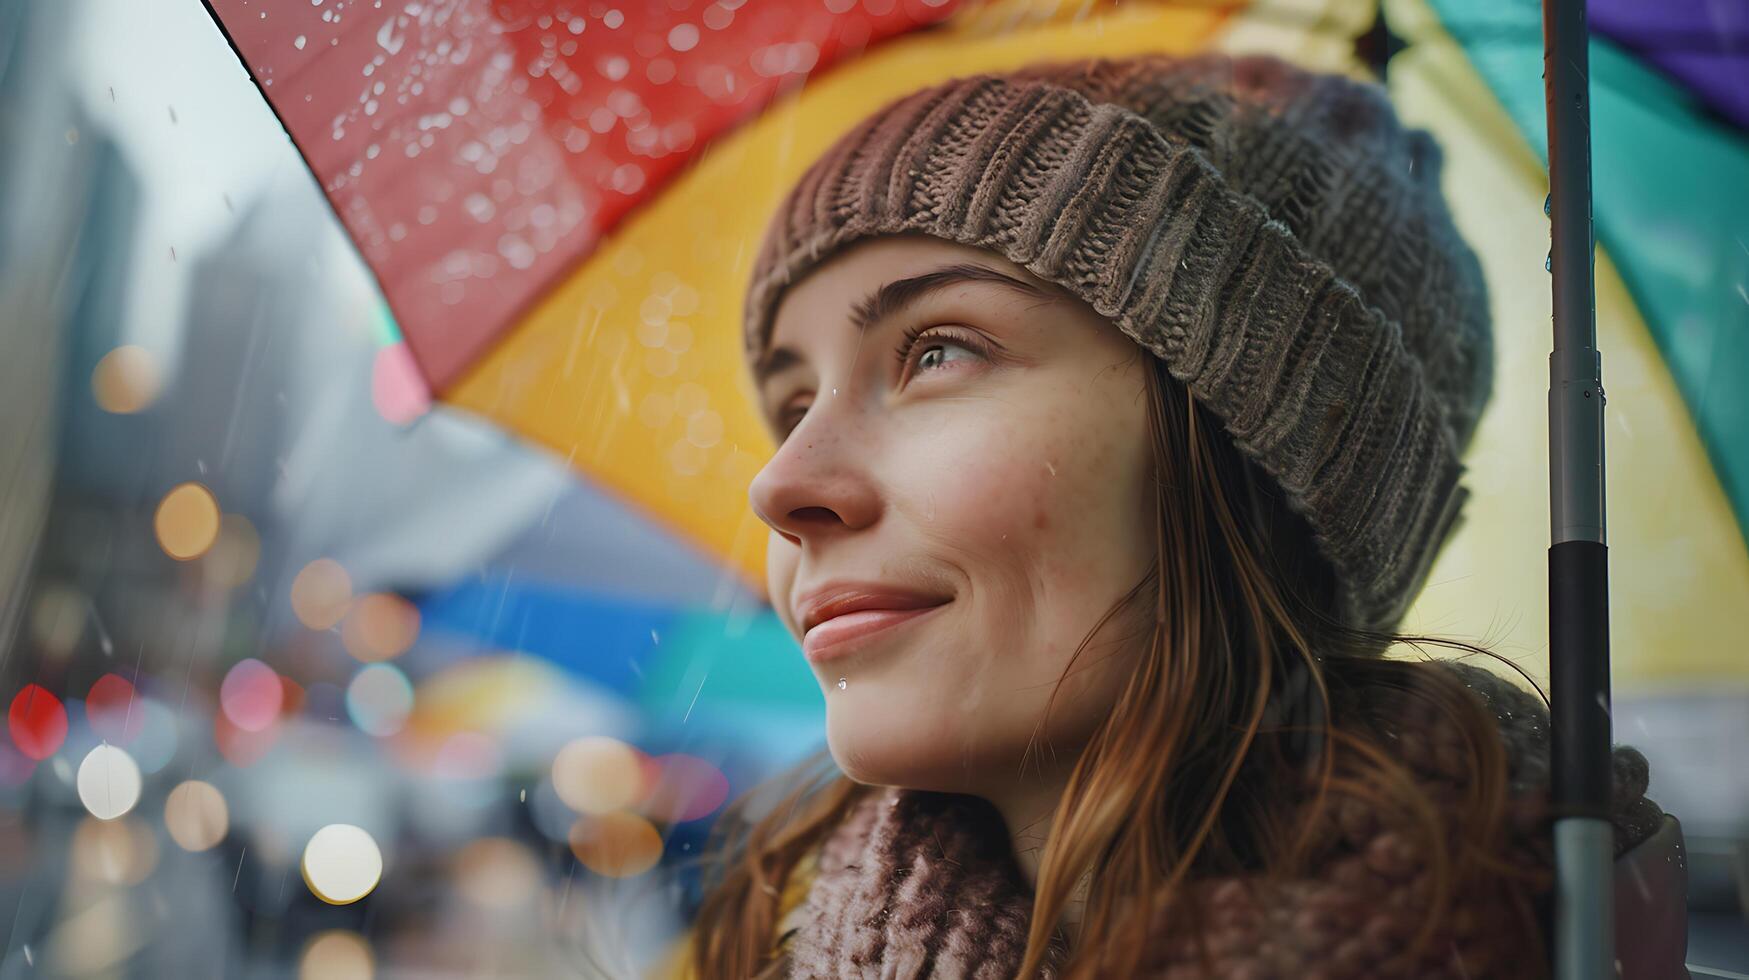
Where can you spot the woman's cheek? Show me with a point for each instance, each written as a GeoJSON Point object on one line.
{"type": "Point", "coordinates": [1001, 502]}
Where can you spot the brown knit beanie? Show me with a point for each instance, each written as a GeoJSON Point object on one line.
{"type": "Point", "coordinates": [1276, 237]}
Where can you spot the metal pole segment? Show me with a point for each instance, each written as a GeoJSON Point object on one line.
{"type": "Point", "coordinates": [1584, 941]}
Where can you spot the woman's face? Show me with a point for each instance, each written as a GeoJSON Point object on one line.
{"type": "Point", "coordinates": [998, 467]}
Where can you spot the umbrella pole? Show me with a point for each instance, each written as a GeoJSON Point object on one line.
{"type": "Point", "coordinates": [1584, 944]}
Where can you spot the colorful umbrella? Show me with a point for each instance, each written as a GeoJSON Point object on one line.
{"type": "Point", "coordinates": [561, 202]}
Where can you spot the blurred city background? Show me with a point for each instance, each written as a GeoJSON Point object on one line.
{"type": "Point", "coordinates": [392, 626]}
{"type": "Point", "coordinates": [307, 676]}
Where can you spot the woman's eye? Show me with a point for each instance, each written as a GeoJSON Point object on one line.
{"type": "Point", "coordinates": [931, 348]}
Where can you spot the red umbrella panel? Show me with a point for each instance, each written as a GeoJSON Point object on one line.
{"type": "Point", "coordinates": [547, 122]}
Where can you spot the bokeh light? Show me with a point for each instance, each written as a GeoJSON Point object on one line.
{"type": "Point", "coordinates": [379, 699]}
{"type": "Point", "coordinates": [380, 626]}
{"type": "Point", "coordinates": [113, 708]}
{"type": "Point", "coordinates": [37, 722]}
{"type": "Point", "coordinates": [116, 852]}
{"type": "Point", "coordinates": [321, 593]}
{"type": "Point", "coordinates": [239, 746]}
{"type": "Point", "coordinates": [187, 521]}
{"type": "Point", "coordinates": [596, 774]}
{"type": "Point", "coordinates": [251, 695]}
{"type": "Point", "coordinates": [196, 815]}
{"type": "Point", "coordinates": [232, 559]}
{"type": "Point", "coordinates": [337, 954]}
{"type": "Point", "coordinates": [617, 845]}
{"type": "Point", "coordinates": [126, 380]}
{"type": "Point", "coordinates": [496, 873]}
{"type": "Point", "coordinates": [156, 745]}
{"type": "Point", "coordinates": [109, 782]}
{"type": "Point", "coordinates": [57, 620]}
{"type": "Point", "coordinates": [342, 864]}
{"type": "Point", "coordinates": [686, 788]}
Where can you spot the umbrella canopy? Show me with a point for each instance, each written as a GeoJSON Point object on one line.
{"type": "Point", "coordinates": [561, 202]}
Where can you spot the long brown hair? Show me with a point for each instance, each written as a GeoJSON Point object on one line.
{"type": "Point", "coordinates": [1250, 709]}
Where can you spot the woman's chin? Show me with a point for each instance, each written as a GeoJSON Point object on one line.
{"type": "Point", "coordinates": [888, 752]}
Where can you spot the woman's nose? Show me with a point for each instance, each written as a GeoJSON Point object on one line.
{"type": "Point", "coordinates": [818, 483]}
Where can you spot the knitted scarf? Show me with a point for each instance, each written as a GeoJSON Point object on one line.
{"type": "Point", "coordinates": [923, 885]}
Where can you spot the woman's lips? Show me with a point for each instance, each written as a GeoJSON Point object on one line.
{"type": "Point", "coordinates": [841, 635]}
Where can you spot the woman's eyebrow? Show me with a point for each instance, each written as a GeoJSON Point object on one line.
{"type": "Point", "coordinates": [895, 297]}
{"type": "Point", "coordinates": [900, 294]}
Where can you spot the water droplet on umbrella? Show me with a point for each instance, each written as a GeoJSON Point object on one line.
{"type": "Point", "coordinates": [843, 684]}
{"type": "Point", "coordinates": [628, 178]}
{"type": "Point", "coordinates": [479, 207]}
{"type": "Point", "coordinates": [387, 39]}
{"type": "Point", "coordinates": [1549, 263]}
{"type": "Point", "coordinates": [516, 250]}
{"type": "Point", "coordinates": [683, 37]}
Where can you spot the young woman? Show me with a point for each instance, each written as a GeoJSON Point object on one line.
{"type": "Point", "coordinates": [1120, 407]}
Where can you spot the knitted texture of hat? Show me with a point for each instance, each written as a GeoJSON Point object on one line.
{"type": "Point", "coordinates": [1276, 237]}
